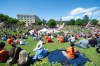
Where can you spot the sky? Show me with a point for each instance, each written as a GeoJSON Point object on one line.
{"type": "Point", "coordinates": [52, 9]}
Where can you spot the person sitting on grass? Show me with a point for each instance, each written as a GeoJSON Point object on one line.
{"type": "Point", "coordinates": [40, 52]}
{"type": "Point", "coordinates": [25, 59]}
{"type": "Point", "coordinates": [4, 55]}
{"type": "Point", "coordinates": [84, 43]}
{"type": "Point", "coordinates": [70, 51]}
{"type": "Point", "coordinates": [49, 39]}
{"type": "Point", "coordinates": [60, 39]}
{"type": "Point", "coordinates": [93, 41]}
{"type": "Point", "coordinates": [9, 40]}
{"type": "Point", "coordinates": [4, 38]}
{"type": "Point", "coordinates": [13, 54]}
{"type": "Point", "coordinates": [72, 38]}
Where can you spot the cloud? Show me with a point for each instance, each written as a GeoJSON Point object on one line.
{"type": "Point", "coordinates": [90, 9]}
{"type": "Point", "coordinates": [67, 17]}
{"type": "Point", "coordinates": [76, 11]}
{"type": "Point", "coordinates": [97, 12]}
{"type": "Point", "coordinates": [80, 12]}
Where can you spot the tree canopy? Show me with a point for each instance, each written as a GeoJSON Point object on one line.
{"type": "Point", "coordinates": [51, 23]}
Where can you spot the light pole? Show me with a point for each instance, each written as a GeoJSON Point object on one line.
{"type": "Point", "coordinates": [89, 20]}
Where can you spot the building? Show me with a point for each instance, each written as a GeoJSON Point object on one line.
{"type": "Point", "coordinates": [28, 19]}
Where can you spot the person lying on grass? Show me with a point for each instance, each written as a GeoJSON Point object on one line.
{"type": "Point", "coordinates": [70, 51]}
{"type": "Point", "coordinates": [83, 43]}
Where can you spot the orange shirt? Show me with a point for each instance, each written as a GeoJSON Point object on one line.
{"type": "Point", "coordinates": [46, 37]}
{"type": "Point", "coordinates": [61, 39]}
{"type": "Point", "coordinates": [9, 41]}
{"type": "Point", "coordinates": [70, 54]}
{"type": "Point", "coordinates": [3, 55]}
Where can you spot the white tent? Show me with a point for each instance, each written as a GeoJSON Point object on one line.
{"type": "Point", "coordinates": [31, 32]}
{"type": "Point", "coordinates": [44, 30]}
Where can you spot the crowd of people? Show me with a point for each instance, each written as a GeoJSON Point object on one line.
{"type": "Point", "coordinates": [22, 58]}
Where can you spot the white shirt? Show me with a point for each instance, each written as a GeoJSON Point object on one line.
{"type": "Point", "coordinates": [72, 39]}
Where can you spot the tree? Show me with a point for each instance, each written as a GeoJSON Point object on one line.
{"type": "Point", "coordinates": [12, 20]}
{"type": "Point", "coordinates": [21, 23]}
{"type": "Point", "coordinates": [6, 18]}
{"type": "Point", "coordinates": [94, 22]}
{"type": "Point", "coordinates": [3, 17]}
{"type": "Point", "coordinates": [38, 22]}
{"type": "Point", "coordinates": [79, 22]}
{"type": "Point", "coordinates": [85, 20]}
{"type": "Point", "coordinates": [71, 22]}
{"type": "Point", "coordinates": [51, 23]}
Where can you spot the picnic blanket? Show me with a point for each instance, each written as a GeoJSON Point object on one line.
{"type": "Point", "coordinates": [57, 56]}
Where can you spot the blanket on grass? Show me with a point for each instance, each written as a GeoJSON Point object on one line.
{"type": "Point", "coordinates": [57, 56]}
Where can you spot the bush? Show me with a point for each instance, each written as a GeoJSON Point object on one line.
{"type": "Point", "coordinates": [90, 64]}
{"type": "Point", "coordinates": [61, 32]}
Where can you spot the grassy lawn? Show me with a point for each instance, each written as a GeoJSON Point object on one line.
{"type": "Point", "coordinates": [89, 52]}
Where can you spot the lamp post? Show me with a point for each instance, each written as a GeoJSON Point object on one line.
{"type": "Point", "coordinates": [89, 20]}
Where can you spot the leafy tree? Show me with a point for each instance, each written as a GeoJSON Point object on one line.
{"type": "Point", "coordinates": [79, 22]}
{"type": "Point", "coordinates": [6, 18]}
{"type": "Point", "coordinates": [21, 23]}
{"type": "Point", "coordinates": [85, 20]}
{"type": "Point", "coordinates": [94, 22]}
{"type": "Point", "coordinates": [38, 22]}
{"type": "Point", "coordinates": [71, 22]}
{"type": "Point", "coordinates": [12, 20]}
{"type": "Point", "coordinates": [3, 17]}
{"type": "Point", "coordinates": [68, 22]}
{"type": "Point", "coordinates": [51, 23]}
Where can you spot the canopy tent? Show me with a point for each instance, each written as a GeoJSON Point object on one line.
{"type": "Point", "coordinates": [44, 30]}
{"type": "Point", "coordinates": [31, 32]}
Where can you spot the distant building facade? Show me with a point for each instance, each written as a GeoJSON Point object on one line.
{"type": "Point", "coordinates": [28, 19]}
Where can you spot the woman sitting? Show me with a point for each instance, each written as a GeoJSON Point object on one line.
{"type": "Point", "coordinates": [40, 52]}
{"type": "Point", "coordinates": [24, 59]}
{"type": "Point", "coordinates": [70, 52]}
{"type": "Point", "coordinates": [3, 53]}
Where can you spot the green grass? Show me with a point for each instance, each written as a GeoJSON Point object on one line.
{"type": "Point", "coordinates": [89, 52]}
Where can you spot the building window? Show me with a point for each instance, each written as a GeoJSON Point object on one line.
{"type": "Point", "coordinates": [24, 16]}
